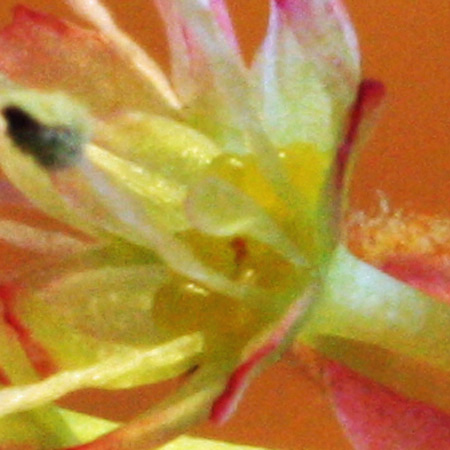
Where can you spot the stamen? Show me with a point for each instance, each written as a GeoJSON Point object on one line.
{"type": "Point", "coordinates": [114, 209]}
{"type": "Point", "coordinates": [94, 12]}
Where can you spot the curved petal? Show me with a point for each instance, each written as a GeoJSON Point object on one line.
{"type": "Point", "coordinates": [109, 303]}
{"type": "Point", "coordinates": [106, 372]}
{"type": "Point", "coordinates": [376, 418]}
{"type": "Point", "coordinates": [363, 116]}
{"type": "Point", "coordinates": [41, 51]}
{"type": "Point", "coordinates": [38, 240]}
{"type": "Point", "coordinates": [16, 367]}
{"type": "Point", "coordinates": [211, 70]}
{"type": "Point", "coordinates": [267, 346]}
{"type": "Point", "coordinates": [93, 11]}
{"type": "Point", "coordinates": [295, 104]}
{"type": "Point", "coordinates": [156, 158]}
{"type": "Point", "coordinates": [324, 30]}
{"type": "Point", "coordinates": [37, 354]}
{"type": "Point", "coordinates": [167, 420]}
{"type": "Point", "coordinates": [44, 427]}
{"type": "Point", "coordinates": [430, 275]}
{"type": "Point", "coordinates": [190, 69]}
{"type": "Point", "coordinates": [98, 305]}
{"type": "Point", "coordinates": [407, 376]}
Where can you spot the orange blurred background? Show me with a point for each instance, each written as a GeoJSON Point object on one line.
{"type": "Point", "coordinates": [407, 45]}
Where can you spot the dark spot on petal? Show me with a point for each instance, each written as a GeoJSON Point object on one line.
{"type": "Point", "coordinates": [53, 147]}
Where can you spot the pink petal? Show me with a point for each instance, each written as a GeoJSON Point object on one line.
{"type": "Point", "coordinates": [377, 418]}
{"type": "Point", "coordinates": [208, 71]}
{"type": "Point", "coordinates": [191, 65]}
{"type": "Point", "coordinates": [312, 18]}
{"type": "Point", "coordinates": [220, 9]}
{"type": "Point", "coordinates": [227, 403]}
{"type": "Point", "coordinates": [41, 51]}
{"type": "Point", "coordinates": [362, 118]}
{"type": "Point", "coordinates": [323, 28]}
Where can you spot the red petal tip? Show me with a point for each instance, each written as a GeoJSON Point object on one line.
{"type": "Point", "coordinates": [36, 352]}
{"type": "Point", "coordinates": [370, 96]}
{"type": "Point", "coordinates": [223, 19]}
{"type": "Point", "coordinates": [24, 14]}
{"type": "Point", "coordinates": [225, 404]}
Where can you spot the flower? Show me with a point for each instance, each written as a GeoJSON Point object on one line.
{"type": "Point", "coordinates": [184, 226]}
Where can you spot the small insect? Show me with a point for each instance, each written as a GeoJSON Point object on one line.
{"type": "Point", "coordinates": [52, 146]}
